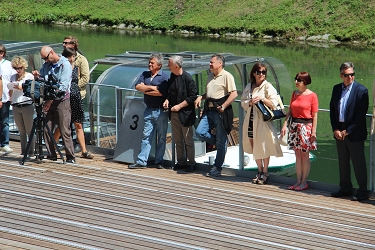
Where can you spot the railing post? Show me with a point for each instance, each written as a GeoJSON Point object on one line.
{"type": "Point", "coordinates": [240, 146]}
{"type": "Point", "coordinates": [372, 163]}
{"type": "Point", "coordinates": [98, 121]}
{"type": "Point", "coordinates": [119, 111]}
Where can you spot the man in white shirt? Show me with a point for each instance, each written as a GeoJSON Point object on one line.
{"type": "Point", "coordinates": [7, 72]}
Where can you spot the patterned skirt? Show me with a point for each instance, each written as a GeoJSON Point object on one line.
{"type": "Point", "coordinates": [299, 137]}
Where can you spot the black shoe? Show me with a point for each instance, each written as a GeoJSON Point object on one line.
{"type": "Point", "coordinates": [52, 158]}
{"type": "Point", "coordinates": [72, 161]}
{"type": "Point", "coordinates": [136, 166]}
{"type": "Point", "coordinates": [360, 196]}
{"type": "Point", "coordinates": [340, 193]}
{"type": "Point", "coordinates": [159, 166]}
{"type": "Point", "coordinates": [190, 168]}
{"type": "Point", "coordinates": [178, 166]}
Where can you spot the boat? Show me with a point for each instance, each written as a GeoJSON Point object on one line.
{"type": "Point", "coordinates": [111, 117]}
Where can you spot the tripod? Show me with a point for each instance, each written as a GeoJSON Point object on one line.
{"type": "Point", "coordinates": [37, 131]}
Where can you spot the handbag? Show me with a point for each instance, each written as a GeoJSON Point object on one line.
{"type": "Point", "coordinates": [269, 114]}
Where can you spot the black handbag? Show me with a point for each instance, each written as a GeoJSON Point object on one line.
{"type": "Point", "coordinates": [269, 114]}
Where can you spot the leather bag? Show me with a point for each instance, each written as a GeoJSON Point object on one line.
{"type": "Point", "coordinates": [269, 114]}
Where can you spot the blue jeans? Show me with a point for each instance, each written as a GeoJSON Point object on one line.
{"type": "Point", "coordinates": [155, 119]}
{"type": "Point", "coordinates": [212, 119]}
{"type": "Point", "coordinates": [4, 124]}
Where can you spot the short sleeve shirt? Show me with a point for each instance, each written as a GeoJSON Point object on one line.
{"type": "Point", "coordinates": [303, 106]}
{"type": "Point", "coordinates": [160, 80]}
{"type": "Point", "coordinates": [221, 85]}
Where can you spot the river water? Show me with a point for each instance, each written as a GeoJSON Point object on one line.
{"type": "Point", "coordinates": [322, 61]}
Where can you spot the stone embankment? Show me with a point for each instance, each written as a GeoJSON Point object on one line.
{"type": "Point", "coordinates": [243, 36]}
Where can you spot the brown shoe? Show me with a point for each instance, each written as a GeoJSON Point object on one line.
{"type": "Point", "coordinates": [87, 155]}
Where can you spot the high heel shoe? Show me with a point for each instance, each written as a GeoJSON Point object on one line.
{"type": "Point", "coordinates": [257, 177]}
{"type": "Point", "coordinates": [263, 179]}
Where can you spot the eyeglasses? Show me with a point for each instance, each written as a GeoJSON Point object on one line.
{"type": "Point", "coordinates": [46, 58]}
{"type": "Point", "coordinates": [264, 72]}
{"type": "Point", "coordinates": [298, 79]}
{"type": "Point", "coordinates": [351, 74]}
{"type": "Point", "coordinates": [64, 43]}
{"type": "Point", "coordinates": [18, 68]}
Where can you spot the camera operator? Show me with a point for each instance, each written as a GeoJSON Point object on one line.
{"type": "Point", "coordinates": [57, 111]}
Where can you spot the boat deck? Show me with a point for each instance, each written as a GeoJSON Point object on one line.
{"type": "Point", "coordinates": [101, 204]}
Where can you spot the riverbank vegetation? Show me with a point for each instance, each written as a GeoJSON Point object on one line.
{"type": "Point", "coordinates": [343, 20]}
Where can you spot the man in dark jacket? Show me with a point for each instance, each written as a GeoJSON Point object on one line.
{"type": "Point", "coordinates": [348, 108]}
{"type": "Point", "coordinates": [181, 97]}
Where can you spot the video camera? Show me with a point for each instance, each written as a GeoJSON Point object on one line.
{"type": "Point", "coordinates": [41, 90]}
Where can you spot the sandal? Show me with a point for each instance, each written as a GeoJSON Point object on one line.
{"type": "Point", "coordinates": [257, 177]}
{"type": "Point", "coordinates": [298, 188]}
{"type": "Point", "coordinates": [263, 178]}
{"type": "Point", "coordinates": [291, 187]}
{"type": "Point", "coordinates": [87, 155]}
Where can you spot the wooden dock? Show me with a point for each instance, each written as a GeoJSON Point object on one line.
{"type": "Point", "coordinates": [101, 204]}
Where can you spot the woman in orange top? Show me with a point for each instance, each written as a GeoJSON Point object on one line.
{"type": "Point", "coordinates": [302, 131]}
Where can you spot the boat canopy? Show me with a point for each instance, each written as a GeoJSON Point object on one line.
{"type": "Point", "coordinates": [30, 51]}
{"type": "Point", "coordinates": [127, 67]}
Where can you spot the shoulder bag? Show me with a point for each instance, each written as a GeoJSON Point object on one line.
{"type": "Point", "coordinates": [269, 114]}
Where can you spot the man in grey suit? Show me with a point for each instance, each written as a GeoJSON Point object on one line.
{"type": "Point", "coordinates": [348, 108]}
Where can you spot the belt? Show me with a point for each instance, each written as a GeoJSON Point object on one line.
{"type": "Point", "coordinates": [302, 120]}
{"type": "Point", "coordinates": [154, 107]}
{"type": "Point", "coordinates": [18, 105]}
{"type": "Point", "coordinates": [212, 108]}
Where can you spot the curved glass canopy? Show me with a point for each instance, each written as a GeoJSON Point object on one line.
{"type": "Point", "coordinates": [112, 89]}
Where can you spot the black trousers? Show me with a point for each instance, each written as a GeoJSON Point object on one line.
{"type": "Point", "coordinates": [354, 151]}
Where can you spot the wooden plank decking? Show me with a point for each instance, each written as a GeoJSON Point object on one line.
{"type": "Point", "coordinates": [101, 204]}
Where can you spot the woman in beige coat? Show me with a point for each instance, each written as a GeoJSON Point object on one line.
{"type": "Point", "coordinates": [259, 137]}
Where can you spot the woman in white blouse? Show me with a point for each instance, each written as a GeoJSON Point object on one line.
{"type": "Point", "coordinates": [23, 110]}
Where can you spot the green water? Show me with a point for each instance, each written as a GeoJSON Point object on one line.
{"type": "Point", "coordinates": [321, 61]}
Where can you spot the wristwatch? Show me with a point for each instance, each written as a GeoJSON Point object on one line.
{"type": "Point", "coordinates": [1, 99]}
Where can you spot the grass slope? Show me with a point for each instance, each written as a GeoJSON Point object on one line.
{"type": "Point", "coordinates": [345, 20]}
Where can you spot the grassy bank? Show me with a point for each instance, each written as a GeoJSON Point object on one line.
{"type": "Point", "coordinates": [344, 20]}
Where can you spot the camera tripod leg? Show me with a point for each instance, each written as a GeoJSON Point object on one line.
{"type": "Point", "coordinates": [32, 134]}
{"type": "Point", "coordinates": [54, 142]}
{"type": "Point", "coordinates": [37, 131]}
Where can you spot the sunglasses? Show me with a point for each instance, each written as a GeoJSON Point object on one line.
{"type": "Point", "coordinates": [46, 58]}
{"type": "Point", "coordinates": [64, 43]}
{"type": "Point", "coordinates": [298, 79]}
{"type": "Point", "coordinates": [18, 68]}
{"type": "Point", "coordinates": [258, 72]}
{"type": "Point", "coordinates": [346, 75]}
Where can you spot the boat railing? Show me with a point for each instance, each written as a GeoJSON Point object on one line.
{"type": "Point", "coordinates": [105, 126]}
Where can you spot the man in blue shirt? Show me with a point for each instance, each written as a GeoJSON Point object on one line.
{"type": "Point", "coordinates": [154, 84]}
{"type": "Point", "coordinates": [57, 111]}
{"type": "Point", "coordinates": [348, 108]}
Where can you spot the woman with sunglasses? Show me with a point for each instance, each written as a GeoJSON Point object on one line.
{"type": "Point", "coordinates": [259, 137]}
{"type": "Point", "coordinates": [302, 129]}
{"type": "Point", "coordinates": [75, 104]}
{"type": "Point", "coordinates": [23, 110]}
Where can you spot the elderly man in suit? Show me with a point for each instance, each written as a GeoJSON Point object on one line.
{"type": "Point", "coordinates": [348, 108]}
